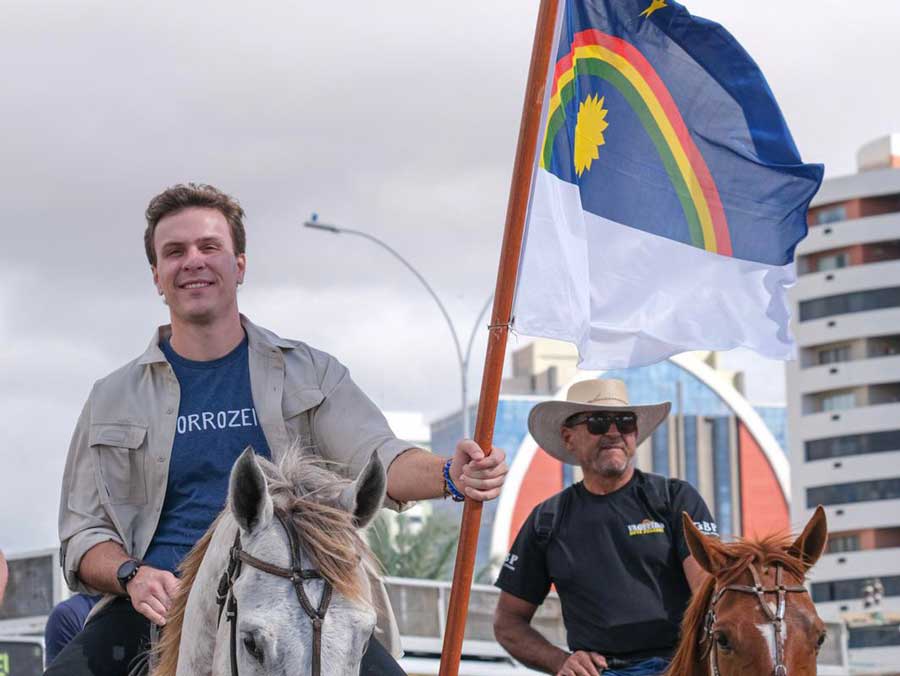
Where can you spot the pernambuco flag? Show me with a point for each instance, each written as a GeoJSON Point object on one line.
{"type": "Point", "coordinates": [668, 194]}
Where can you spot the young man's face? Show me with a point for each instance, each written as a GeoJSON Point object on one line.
{"type": "Point", "coordinates": [606, 454]}
{"type": "Point", "coordinates": [196, 268]}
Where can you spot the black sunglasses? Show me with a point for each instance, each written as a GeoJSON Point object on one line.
{"type": "Point", "coordinates": [599, 423]}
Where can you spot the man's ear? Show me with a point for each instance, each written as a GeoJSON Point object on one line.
{"type": "Point", "coordinates": [241, 260]}
{"type": "Point", "coordinates": [810, 544]}
{"type": "Point", "coordinates": [705, 550]}
{"type": "Point", "coordinates": [156, 280]}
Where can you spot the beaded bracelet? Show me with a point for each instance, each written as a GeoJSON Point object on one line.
{"type": "Point", "coordinates": [449, 487]}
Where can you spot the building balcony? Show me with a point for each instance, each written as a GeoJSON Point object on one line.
{"type": "Point", "coordinates": [847, 233]}
{"type": "Point", "coordinates": [846, 280]}
{"type": "Point", "coordinates": [849, 421]}
{"type": "Point", "coordinates": [831, 611]}
{"type": "Point", "coordinates": [867, 563]}
{"type": "Point", "coordinates": [849, 374]}
{"type": "Point", "coordinates": [873, 183]}
{"type": "Point", "coordinates": [847, 326]}
{"type": "Point", "coordinates": [851, 516]}
{"type": "Point", "coordinates": [848, 468]}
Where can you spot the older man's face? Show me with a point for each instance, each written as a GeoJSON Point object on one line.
{"type": "Point", "coordinates": [608, 454]}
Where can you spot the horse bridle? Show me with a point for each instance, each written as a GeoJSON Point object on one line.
{"type": "Point", "coordinates": [296, 574]}
{"type": "Point", "coordinates": [708, 645]}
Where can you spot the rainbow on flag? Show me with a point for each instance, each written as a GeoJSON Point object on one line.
{"type": "Point", "coordinates": [668, 194]}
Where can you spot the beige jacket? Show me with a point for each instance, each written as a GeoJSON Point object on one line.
{"type": "Point", "coordinates": [116, 472]}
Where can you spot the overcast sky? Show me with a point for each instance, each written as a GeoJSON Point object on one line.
{"type": "Point", "coordinates": [395, 117]}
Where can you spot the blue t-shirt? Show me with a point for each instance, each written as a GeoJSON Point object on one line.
{"type": "Point", "coordinates": [216, 422]}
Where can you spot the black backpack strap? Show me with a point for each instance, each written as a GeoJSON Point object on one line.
{"type": "Point", "coordinates": [656, 491]}
{"type": "Point", "coordinates": [547, 516]}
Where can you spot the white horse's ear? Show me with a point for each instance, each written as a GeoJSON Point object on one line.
{"type": "Point", "coordinates": [810, 544]}
{"type": "Point", "coordinates": [365, 495]}
{"type": "Point", "coordinates": [706, 551]}
{"type": "Point", "coordinates": [248, 495]}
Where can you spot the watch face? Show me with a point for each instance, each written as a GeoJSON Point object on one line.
{"type": "Point", "coordinates": [126, 571]}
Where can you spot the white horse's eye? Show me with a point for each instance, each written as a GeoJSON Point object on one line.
{"type": "Point", "coordinates": [253, 648]}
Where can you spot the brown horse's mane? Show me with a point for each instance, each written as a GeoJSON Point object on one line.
{"type": "Point", "coordinates": [766, 551]}
{"type": "Point", "coordinates": [304, 489]}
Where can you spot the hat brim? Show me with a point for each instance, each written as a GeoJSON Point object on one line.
{"type": "Point", "coordinates": [546, 419]}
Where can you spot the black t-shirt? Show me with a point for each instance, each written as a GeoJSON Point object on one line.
{"type": "Point", "coordinates": [616, 566]}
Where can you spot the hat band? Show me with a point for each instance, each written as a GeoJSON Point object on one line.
{"type": "Point", "coordinates": [607, 401]}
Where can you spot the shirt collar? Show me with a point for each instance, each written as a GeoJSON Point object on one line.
{"type": "Point", "coordinates": [258, 339]}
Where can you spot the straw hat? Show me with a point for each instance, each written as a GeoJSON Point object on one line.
{"type": "Point", "coordinates": [546, 419]}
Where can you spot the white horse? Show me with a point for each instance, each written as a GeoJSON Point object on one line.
{"type": "Point", "coordinates": [265, 628]}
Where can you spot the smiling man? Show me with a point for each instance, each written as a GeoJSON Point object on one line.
{"type": "Point", "coordinates": [148, 467]}
{"type": "Point", "coordinates": [611, 544]}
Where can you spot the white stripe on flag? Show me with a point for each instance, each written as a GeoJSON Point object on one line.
{"type": "Point", "coordinates": [627, 298]}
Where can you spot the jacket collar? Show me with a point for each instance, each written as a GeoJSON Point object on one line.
{"type": "Point", "coordinates": [258, 338]}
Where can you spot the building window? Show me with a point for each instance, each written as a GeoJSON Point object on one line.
{"type": "Point", "coordinates": [858, 491]}
{"type": "Point", "coordinates": [858, 301]}
{"type": "Point", "coordinates": [691, 464]}
{"type": "Point", "coordinates": [659, 447]}
{"type": "Point", "coordinates": [832, 262]}
{"type": "Point", "coordinates": [838, 401]}
{"type": "Point", "coordinates": [883, 346]}
{"type": "Point", "coordinates": [833, 355]}
{"type": "Point", "coordinates": [843, 543]}
{"type": "Point", "coordinates": [881, 636]}
{"type": "Point", "coordinates": [848, 590]}
{"type": "Point", "coordinates": [721, 435]}
{"type": "Point", "coordinates": [882, 251]}
{"type": "Point", "coordinates": [831, 215]}
{"type": "Point", "coordinates": [853, 444]}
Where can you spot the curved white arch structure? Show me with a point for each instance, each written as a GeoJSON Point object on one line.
{"type": "Point", "coordinates": [735, 400]}
{"type": "Point", "coordinates": [696, 367]}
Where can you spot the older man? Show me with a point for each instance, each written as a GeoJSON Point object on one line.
{"type": "Point", "coordinates": [610, 544]}
{"type": "Point", "coordinates": [148, 466]}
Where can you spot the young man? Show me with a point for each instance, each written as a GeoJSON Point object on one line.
{"type": "Point", "coordinates": [610, 544]}
{"type": "Point", "coordinates": [148, 466]}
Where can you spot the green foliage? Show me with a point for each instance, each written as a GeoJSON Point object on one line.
{"type": "Point", "coordinates": [424, 552]}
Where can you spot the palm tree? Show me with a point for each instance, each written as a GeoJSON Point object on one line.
{"type": "Point", "coordinates": [420, 548]}
{"type": "Point", "coordinates": [407, 549]}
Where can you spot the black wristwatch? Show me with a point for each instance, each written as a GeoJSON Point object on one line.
{"type": "Point", "coordinates": [126, 573]}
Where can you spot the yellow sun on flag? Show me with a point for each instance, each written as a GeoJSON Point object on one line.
{"type": "Point", "coordinates": [589, 132]}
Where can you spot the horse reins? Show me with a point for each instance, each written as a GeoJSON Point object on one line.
{"type": "Point", "coordinates": [296, 574]}
{"type": "Point", "coordinates": [708, 645]}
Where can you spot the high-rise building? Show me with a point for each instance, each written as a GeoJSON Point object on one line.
{"type": "Point", "coordinates": [844, 397]}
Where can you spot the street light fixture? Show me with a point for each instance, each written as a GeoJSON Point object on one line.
{"type": "Point", "coordinates": [462, 359]}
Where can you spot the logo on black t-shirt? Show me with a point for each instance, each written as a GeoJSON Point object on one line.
{"type": "Point", "coordinates": [646, 527]}
{"type": "Point", "coordinates": [707, 527]}
{"type": "Point", "coordinates": [510, 561]}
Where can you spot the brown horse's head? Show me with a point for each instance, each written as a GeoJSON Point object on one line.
{"type": "Point", "coordinates": [734, 624]}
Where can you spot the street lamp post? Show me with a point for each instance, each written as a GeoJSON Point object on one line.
{"type": "Point", "coordinates": [462, 359]}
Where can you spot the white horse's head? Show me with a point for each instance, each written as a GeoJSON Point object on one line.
{"type": "Point", "coordinates": [274, 635]}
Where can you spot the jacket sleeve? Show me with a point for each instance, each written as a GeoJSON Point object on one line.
{"type": "Point", "coordinates": [83, 520]}
{"type": "Point", "coordinates": [348, 427]}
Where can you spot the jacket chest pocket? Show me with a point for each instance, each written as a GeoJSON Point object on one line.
{"type": "Point", "coordinates": [121, 455]}
{"type": "Point", "coordinates": [298, 408]}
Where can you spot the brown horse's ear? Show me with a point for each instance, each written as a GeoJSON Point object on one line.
{"type": "Point", "coordinates": [810, 544]}
{"type": "Point", "coordinates": [705, 550]}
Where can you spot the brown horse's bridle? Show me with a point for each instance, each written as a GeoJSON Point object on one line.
{"type": "Point", "coordinates": [708, 645]}
{"type": "Point", "coordinates": [296, 574]}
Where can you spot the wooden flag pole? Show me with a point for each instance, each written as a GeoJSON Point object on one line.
{"type": "Point", "coordinates": [499, 328]}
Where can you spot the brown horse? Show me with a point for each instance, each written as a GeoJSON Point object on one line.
{"type": "Point", "coordinates": [752, 616]}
